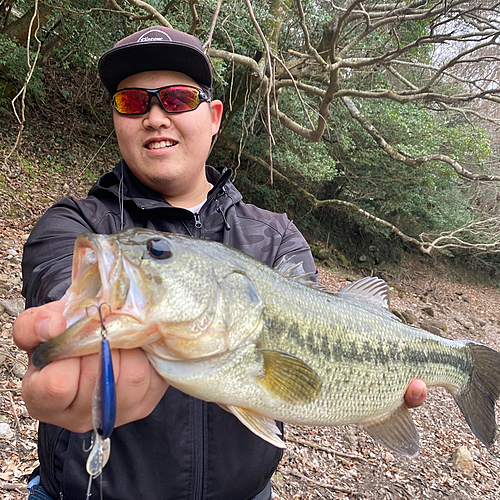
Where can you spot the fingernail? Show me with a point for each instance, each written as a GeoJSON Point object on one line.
{"type": "Point", "coordinates": [418, 393]}
{"type": "Point", "coordinates": [43, 329]}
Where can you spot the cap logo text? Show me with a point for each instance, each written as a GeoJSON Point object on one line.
{"type": "Point", "coordinates": [154, 36]}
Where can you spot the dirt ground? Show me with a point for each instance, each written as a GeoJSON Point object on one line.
{"type": "Point", "coordinates": [319, 463]}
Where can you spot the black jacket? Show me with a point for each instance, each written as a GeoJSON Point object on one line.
{"type": "Point", "coordinates": [186, 449]}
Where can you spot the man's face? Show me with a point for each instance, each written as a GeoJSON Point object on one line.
{"type": "Point", "coordinates": [167, 151]}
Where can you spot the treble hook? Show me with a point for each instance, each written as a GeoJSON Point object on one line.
{"type": "Point", "coordinates": [104, 332]}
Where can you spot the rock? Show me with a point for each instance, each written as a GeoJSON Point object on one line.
{"type": "Point", "coordinates": [13, 306]}
{"type": "Point", "coordinates": [409, 317]}
{"type": "Point", "coordinates": [429, 311]}
{"type": "Point", "coordinates": [438, 324]}
{"type": "Point", "coordinates": [363, 258]}
{"type": "Point", "coordinates": [428, 326]}
{"type": "Point", "coordinates": [478, 321]}
{"type": "Point", "coordinates": [466, 324]}
{"type": "Point", "coordinates": [3, 292]}
{"type": "Point", "coordinates": [278, 478]}
{"type": "Point", "coordinates": [352, 440]}
{"type": "Point", "coordinates": [462, 460]}
{"type": "Point", "coordinates": [19, 369]}
{"type": "Point", "coordinates": [5, 431]}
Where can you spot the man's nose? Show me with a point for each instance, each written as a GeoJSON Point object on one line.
{"type": "Point", "coordinates": [157, 116]}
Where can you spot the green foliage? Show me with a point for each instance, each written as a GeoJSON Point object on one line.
{"type": "Point", "coordinates": [346, 163]}
{"type": "Point", "coordinates": [13, 71]}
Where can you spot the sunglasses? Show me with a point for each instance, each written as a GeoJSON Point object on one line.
{"type": "Point", "coordinates": [172, 98]}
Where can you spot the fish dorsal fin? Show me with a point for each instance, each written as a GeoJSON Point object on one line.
{"type": "Point", "coordinates": [263, 427]}
{"type": "Point", "coordinates": [397, 432]}
{"type": "Point", "coordinates": [370, 289]}
{"type": "Point", "coordinates": [295, 271]}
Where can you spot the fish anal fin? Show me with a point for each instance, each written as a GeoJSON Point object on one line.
{"type": "Point", "coordinates": [261, 426]}
{"type": "Point", "coordinates": [397, 432]}
{"type": "Point", "coordinates": [288, 377]}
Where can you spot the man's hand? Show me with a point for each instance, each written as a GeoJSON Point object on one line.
{"type": "Point", "coordinates": [416, 394]}
{"type": "Point", "coordinates": [61, 392]}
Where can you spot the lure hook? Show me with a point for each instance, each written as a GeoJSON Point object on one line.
{"type": "Point", "coordinates": [104, 332]}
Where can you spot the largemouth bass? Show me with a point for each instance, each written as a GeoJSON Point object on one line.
{"type": "Point", "coordinates": [265, 343]}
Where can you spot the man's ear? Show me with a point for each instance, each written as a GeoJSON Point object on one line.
{"type": "Point", "coordinates": [216, 108]}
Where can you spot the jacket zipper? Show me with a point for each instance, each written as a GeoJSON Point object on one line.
{"type": "Point", "coordinates": [198, 417]}
{"type": "Point", "coordinates": [199, 448]}
{"type": "Point", "coordinates": [197, 220]}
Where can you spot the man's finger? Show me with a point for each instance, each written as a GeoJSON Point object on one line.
{"type": "Point", "coordinates": [416, 393]}
{"type": "Point", "coordinates": [39, 324]}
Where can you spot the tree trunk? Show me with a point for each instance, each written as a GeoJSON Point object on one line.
{"type": "Point", "coordinates": [19, 29]}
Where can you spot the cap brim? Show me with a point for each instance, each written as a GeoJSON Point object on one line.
{"type": "Point", "coordinates": [122, 62]}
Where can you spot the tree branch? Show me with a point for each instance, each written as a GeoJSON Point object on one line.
{"type": "Point", "coordinates": [488, 228]}
{"type": "Point", "coordinates": [149, 8]}
{"type": "Point", "coordinates": [412, 162]}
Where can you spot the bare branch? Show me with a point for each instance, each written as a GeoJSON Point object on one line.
{"type": "Point", "coordinates": [412, 162]}
{"type": "Point", "coordinates": [149, 8]}
{"type": "Point", "coordinates": [195, 20]}
{"type": "Point", "coordinates": [485, 229]}
{"type": "Point", "coordinates": [241, 60]}
{"type": "Point", "coordinates": [207, 44]}
{"type": "Point", "coordinates": [315, 203]}
{"type": "Point", "coordinates": [307, 39]}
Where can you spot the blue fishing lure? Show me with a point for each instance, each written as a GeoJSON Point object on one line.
{"type": "Point", "coordinates": [103, 411]}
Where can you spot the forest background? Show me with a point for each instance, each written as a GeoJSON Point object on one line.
{"type": "Point", "coordinates": [373, 125]}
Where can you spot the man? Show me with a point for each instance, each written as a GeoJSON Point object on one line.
{"type": "Point", "coordinates": [166, 445]}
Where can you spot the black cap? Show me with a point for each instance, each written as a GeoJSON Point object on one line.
{"type": "Point", "coordinates": [155, 48]}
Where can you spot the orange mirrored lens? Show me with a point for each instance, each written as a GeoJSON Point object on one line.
{"type": "Point", "coordinates": [131, 101]}
{"type": "Point", "coordinates": [176, 99]}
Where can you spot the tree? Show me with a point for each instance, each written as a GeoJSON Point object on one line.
{"type": "Point", "coordinates": [387, 106]}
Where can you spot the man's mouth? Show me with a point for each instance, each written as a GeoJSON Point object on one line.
{"type": "Point", "coordinates": [160, 144]}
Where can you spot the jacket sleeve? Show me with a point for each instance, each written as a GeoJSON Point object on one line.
{"type": "Point", "coordinates": [294, 245]}
{"type": "Point", "coordinates": [48, 253]}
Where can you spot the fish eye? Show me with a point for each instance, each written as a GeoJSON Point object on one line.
{"type": "Point", "coordinates": [159, 249]}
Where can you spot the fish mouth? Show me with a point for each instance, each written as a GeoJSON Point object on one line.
{"type": "Point", "coordinates": [100, 285]}
{"type": "Point", "coordinates": [105, 297]}
{"type": "Point", "coordinates": [105, 282]}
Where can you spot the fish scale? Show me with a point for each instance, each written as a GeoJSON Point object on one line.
{"type": "Point", "coordinates": [268, 344]}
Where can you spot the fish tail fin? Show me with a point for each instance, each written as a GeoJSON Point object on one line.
{"type": "Point", "coordinates": [477, 399]}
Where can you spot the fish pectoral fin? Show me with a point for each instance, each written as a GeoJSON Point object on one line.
{"type": "Point", "coordinates": [397, 432]}
{"type": "Point", "coordinates": [261, 426]}
{"type": "Point", "coordinates": [288, 377]}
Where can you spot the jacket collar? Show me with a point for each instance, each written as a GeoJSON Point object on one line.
{"type": "Point", "coordinates": [133, 190]}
